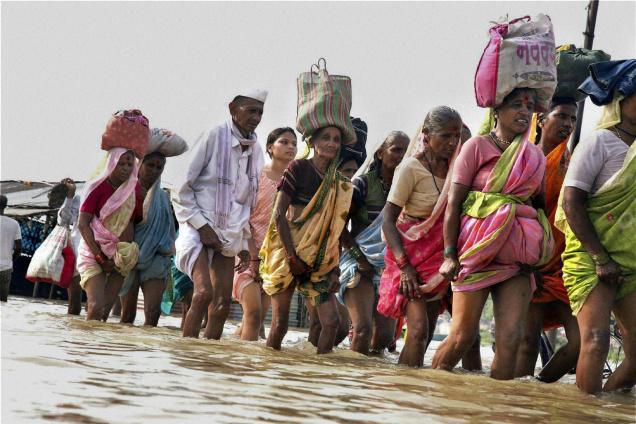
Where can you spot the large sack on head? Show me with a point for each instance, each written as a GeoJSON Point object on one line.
{"type": "Point", "coordinates": [520, 53]}
{"type": "Point", "coordinates": [573, 68]}
{"type": "Point", "coordinates": [323, 101]}
{"type": "Point", "coordinates": [166, 143]}
{"type": "Point", "coordinates": [127, 129]}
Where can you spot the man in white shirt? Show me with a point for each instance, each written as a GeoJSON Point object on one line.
{"type": "Point", "coordinates": [213, 207]}
{"type": "Point", "coordinates": [10, 248]}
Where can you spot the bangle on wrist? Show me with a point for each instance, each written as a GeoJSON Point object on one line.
{"type": "Point", "coordinates": [99, 258]}
{"type": "Point", "coordinates": [356, 252]}
{"type": "Point", "coordinates": [450, 250]}
{"type": "Point", "coordinates": [601, 259]}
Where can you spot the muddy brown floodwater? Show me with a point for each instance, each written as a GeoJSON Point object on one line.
{"type": "Point", "coordinates": [60, 368]}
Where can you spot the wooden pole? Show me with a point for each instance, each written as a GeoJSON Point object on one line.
{"type": "Point", "coordinates": [592, 10]}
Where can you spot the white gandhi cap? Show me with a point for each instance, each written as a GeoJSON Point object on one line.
{"type": "Point", "coordinates": [254, 93]}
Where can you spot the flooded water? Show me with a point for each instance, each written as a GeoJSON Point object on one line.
{"type": "Point", "coordinates": [60, 368]}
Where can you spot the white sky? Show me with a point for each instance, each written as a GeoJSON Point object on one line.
{"type": "Point", "coordinates": [67, 66]}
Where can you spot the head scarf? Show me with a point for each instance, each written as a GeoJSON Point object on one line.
{"type": "Point", "coordinates": [123, 191]}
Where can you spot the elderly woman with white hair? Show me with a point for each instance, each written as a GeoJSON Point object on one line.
{"type": "Point", "coordinates": [155, 234]}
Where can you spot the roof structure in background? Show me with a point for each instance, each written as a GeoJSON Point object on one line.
{"type": "Point", "coordinates": [29, 198]}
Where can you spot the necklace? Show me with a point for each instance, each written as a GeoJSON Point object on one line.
{"type": "Point", "coordinates": [618, 134]}
{"type": "Point", "coordinates": [430, 167]}
{"type": "Point", "coordinates": [624, 131]}
{"type": "Point", "coordinates": [498, 140]}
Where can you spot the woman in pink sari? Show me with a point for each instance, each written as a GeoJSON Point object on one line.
{"type": "Point", "coordinates": [281, 148]}
{"type": "Point", "coordinates": [495, 234]}
{"type": "Point", "coordinates": [106, 253]}
{"type": "Point", "coordinates": [411, 285]}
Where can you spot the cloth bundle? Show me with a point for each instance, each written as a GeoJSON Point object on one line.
{"type": "Point", "coordinates": [573, 68]}
{"type": "Point", "coordinates": [166, 143]}
{"type": "Point", "coordinates": [608, 78]}
{"type": "Point", "coordinates": [324, 101]}
{"type": "Point", "coordinates": [127, 129]}
{"type": "Point", "coordinates": [520, 54]}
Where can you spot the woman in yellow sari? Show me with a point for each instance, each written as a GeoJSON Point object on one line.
{"type": "Point", "coordinates": [301, 248]}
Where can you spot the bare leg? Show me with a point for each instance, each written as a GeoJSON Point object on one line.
{"type": "Point", "coordinates": [417, 335]}
{"type": "Point", "coordinates": [343, 319]}
{"type": "Point", "coordinates": [432, 313]}
{"type": "Point", "coordinates": [565, 358]}
{"type": "Point", "coordinates": [251, 303]}
{"type": "Point", "coordinates": [265, 302]}
{"type": "Point", "coordinates": [201, 298]}
{"type": "Point", "coordinates": [383, 332]}
{"type": "Point", "coordinates": [153, 291]}
{"type": "Point", "coordinates": [471, 360]}
{"type": "Point", "coordinates": [467, 308]}
{"type": "Point", "coordinates": [95, 292]}
{"type": "Point", "coordinates": [74, 296]}
{"type": "Point", "coordinates": [329, 321]}
{"type": "Point", "coordinates": [129, 304]}
{"type": "Point", "coordinates": [314, 324]}
{"type": "Point", "coordinates": [529, 347]}
{"type": "Point", "coordinates": [625, 374]}
{"type": "Point", "coordinates": [280, 316]}
{"type": "Point", "coordinates": [593, 319]}
{"type": "Point", "coordinates": [510, 300]}
{"type": "Point", "coordinates": [221, 276]}
{"type": "Point", "coordinates": [111, 292]}
{"type": "Point", "coordinates": [360, 301]}
{"type": "Point", "coordinates": [115, 308]}
{"type": "Point", "coordinates": [185, 303]}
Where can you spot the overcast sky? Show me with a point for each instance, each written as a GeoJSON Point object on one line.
{"type": "Point", "coordinates": [66, 67]}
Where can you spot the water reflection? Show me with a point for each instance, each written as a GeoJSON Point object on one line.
{"type": "Point", "coordinates": [59, 368]}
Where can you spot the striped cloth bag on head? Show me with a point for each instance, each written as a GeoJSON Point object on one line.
{"type": "Point", "coordinates": [324, 101]}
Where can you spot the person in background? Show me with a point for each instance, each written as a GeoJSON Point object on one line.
{"type": "Point", "coordinates": [550, 305]}
{"type": "Point", "coordinates": [281, 148]}
{"type": "Point", "coordinates": [67, 216]}
{"type": "Point", "coordinates": [155, 234]}
{"type": "Point", "coordinates": [359, 278]}
{"type": "Point", "coordinates": [10, 248]}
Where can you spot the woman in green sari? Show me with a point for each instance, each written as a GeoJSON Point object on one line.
{"type": "Point", "coordinates": [599, 201]}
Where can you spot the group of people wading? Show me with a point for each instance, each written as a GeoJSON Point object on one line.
{"type": "Point", "coordinates": [434, 223]}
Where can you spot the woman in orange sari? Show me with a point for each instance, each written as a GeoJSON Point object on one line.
{"type": "Point", "coordinates": [550, 306]}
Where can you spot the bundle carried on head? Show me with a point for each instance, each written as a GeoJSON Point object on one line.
{"type": "Point", "coordinates": [573, 68]}
{"type": "Point", "coordinates": [127, 129]}
{"type": "Point", "coordinates": [520, 54]}
{"type": "Point", "coordinates": [166, 143]}
{"type": "Point", "coordinates": [356, 151]}
{"type": "Point", "coordinates": [324, 101]}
